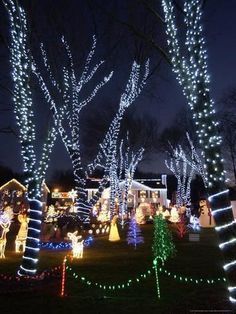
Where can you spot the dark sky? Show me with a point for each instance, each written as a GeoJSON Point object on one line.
{"type": "Point", "coordinates": [78, 20]}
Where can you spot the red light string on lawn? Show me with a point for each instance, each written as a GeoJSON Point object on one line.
{"type": "Point", "coordinates": [44, 274]}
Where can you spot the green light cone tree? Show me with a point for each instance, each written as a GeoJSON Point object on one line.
{"type": "Point", "coordinates": [190, 67]}
{"type": "Point", "coordinates": [163, 246]}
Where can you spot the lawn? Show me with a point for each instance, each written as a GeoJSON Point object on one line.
{"type": "Point", "coordinates": [107, 263]}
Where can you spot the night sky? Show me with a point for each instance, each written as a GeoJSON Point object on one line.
{"type": "Point", "coordinates": [78, 21]}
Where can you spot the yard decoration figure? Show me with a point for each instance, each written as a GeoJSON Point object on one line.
{"type": "Point", "coordinates": [205, 219]}
{"type": "Point", "coordinates": [5, 222]}
{"type": "Point", "coordinates": [114, 234]}
{"type": "Point", "coordinates": [77, 247]}
{"type": "Point", "coordinates": [174, 215]}
{"type": "Point", "coordinates": [22, 233]}
{"type": "Point", "coordinates": [134, 233]}
{"type": "Point", "coordinates": [181, 226]}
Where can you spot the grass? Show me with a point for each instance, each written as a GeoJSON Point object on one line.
{"type": "Point", "coordinates": [108, 263]}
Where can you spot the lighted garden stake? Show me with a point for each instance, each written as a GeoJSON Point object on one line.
{"type": "Point", "coordinates": [163, 246]}
{"type": "Point", "coordinates": [63, 277]}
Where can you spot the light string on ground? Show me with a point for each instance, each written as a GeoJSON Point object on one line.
{"type": "Point", "coordinates": [142, 276]}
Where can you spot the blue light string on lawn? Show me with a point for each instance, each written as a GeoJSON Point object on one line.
{"type": "Point", "coordinates": [63, 245]}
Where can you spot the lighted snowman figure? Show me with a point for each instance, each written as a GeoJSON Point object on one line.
{"type": "Point", "coordinates": [206, 219]}
{"type": "Point", "coordinates": [174, 215]}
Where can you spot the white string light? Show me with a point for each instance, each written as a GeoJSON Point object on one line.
{"type": "Point", "coordinates": [229, 265]}
{"type": "Point", "coordinates": [192, 74]}
{"type": "Point", "coordinates": [217, 194]}
{"type": "Point", "coordinates": [219, 228]}
{"type": "Point", "coordinates": [224, 244]}
{"type": "Point", "coordinates": [221, 210]}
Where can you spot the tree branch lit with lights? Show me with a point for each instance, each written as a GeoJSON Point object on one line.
{"type": "Point", "coordinates": [190, 67]}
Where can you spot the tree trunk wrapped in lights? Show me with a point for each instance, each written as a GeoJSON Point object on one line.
{"type": "Point", "coordinates": [34, 168]}
{"type": "Point", "coordinates": [192, 74]}
{"type": "Point", "coordinates": [183, 166]}
{"type": "Point", "coordinates": [184, 174]}
{"type": "Point", "coordinates": [123, 168]}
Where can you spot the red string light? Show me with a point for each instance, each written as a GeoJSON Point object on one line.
{"type": "Point", "coordinates": [63, 278]}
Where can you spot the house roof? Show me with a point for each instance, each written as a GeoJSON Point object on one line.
{"type": "Point", "coordinates": [151, 184]}
{"type": "Point", "coordinates": [13, 185]}
{"type": "Point", "coordinates": [93, 184]}
{"type": "Point", "coordinates": [16, 185]}
{"type": "Point", "coordinates": [44, 185]}
{"type": "Point", "coordinates": [135, 185]}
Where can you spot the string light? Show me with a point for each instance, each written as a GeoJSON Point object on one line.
{"type": "Point", "coordinates": [192, 74]}
{"type": "Point", "coordinates": [46, 273]}
{"type": "Point", "coordinates": [210, 198]}
{"type": "Point", "coordinates": [191, 280]}
{"type": "Point", "coordinates": [106, 157]}
{"type": "Point", "coordinates": [111, 286]}
{"type": "Point", "coordinates": [34, 168]}
{"type": "Point", "coordinates": [219, 228]}
{"type": "Point", "coordinates": [226, 244]}
{"type": "Point", "coordinates": [229, 265]}
{"type": "Point", "coordinates": [63, 277]}
{"type": "Point", "coordinates": [221, 210]}
{"type": "Point", "coordinates": [133, 89]}
{"type": "Point", "coordinates": [144, 275]}
{"type": "Point", "coordinates": [63, 245]}
{"type": "Point", "coordinates": [178, 165]}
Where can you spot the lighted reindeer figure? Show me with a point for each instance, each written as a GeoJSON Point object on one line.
{"type": "Point", "coordinates": [77, 247]}
{"type": "Point", "coordinates": [22, 234]}
{"type": "Point", "coordinates": [5, 222]}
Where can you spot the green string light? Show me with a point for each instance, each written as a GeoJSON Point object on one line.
{"type": "Point", "coordinates": [138, 280]}
{"type": "Point", "coordinates": [191, 279]}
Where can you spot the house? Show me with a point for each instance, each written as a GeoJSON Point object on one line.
{"type": "Point", "coordinates": [151, 191]}
{"type": "Point", "coordinates": [13, 193]}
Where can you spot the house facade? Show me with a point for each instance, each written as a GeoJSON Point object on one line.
{"type": "Point", "coordinates": [148, 191]}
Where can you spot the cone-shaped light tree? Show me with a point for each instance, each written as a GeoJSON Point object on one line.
{"type": "Point", "coordinates": [163, 246]}
{"type": "Point", "coordinates": [190, 67]}
{"type": "Point", "coordinates": [134, 233]}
